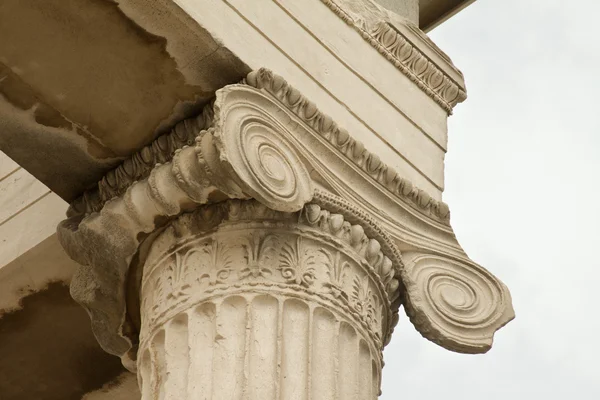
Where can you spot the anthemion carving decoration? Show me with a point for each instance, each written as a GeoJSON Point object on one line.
{"type": "Point", "coordinates": [250, 221]}
{"type": "Point", "coordinates": [275, 261]}
{"type": "Point", "coordinates": [398, 47]}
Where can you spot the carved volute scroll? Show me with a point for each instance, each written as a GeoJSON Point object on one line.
{"type": "Point", "coordinates": [249, 159]}
{"type": "Point", "coordinates": [416, 222]}
{"type": "Point", "coordinates": [263, 140]}
{"type": "Point", "coordinates": [456, 304]}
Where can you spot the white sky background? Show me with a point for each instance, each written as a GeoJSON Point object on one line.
{"type": "Point", "coordinates": [522, 182]}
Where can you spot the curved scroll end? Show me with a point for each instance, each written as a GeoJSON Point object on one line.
{"type": "Point", "coordinates": [456, 304]}
{"type": "Point", "coordinates": [253, 146]}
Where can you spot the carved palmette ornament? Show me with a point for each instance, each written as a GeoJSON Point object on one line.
{"type": "Point", "coordinates": [311, 254]}
{"type": "Point", "coordinates": [304, 306]}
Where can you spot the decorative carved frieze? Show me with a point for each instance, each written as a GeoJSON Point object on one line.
{"type": "Point", "coordinates": [246, 258]}
{"type": "Point", "coordinates": [239, 244]}
{"type": "Point", "coordinates": [407, 47]}
{"type": "Point", "coordinates": [417, 66]}
{"type": "Point", "coordinates": [267, 142]}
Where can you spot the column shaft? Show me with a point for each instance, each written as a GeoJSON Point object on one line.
{"type": "Point", "coordinates": [258, 346]}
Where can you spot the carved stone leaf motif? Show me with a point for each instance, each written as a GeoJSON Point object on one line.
{"type": "Point", "coordinates": [362, 298]}
{"type": "Point", "coordinates": [215, 264]}
{"type": "Point", "coordinates": [297, 264]}
{"type": "Point", "coordinates": [176, 274]}
{"type": "Point", "coordinates": [159, 293]}
{"type": "Point", "coordinates": [383, 35]}
{"type": "Point", "coordinates": [336, 270]}
{"type": "Point", "coordinates": [377, 311]}
{"type": "Point", "coordinates": [170, 285]}
{"type": "Point", "coordinates": [258, 249]}
{"type": "Point", "coordinates": [417, 66]}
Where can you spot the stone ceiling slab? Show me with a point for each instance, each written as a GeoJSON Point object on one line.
{"type": "Point", "coordinates": [47, 350]}
{"type": "Point", "coordinates": [87, 83]}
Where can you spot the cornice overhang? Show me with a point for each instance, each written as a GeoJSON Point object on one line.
{"type": "Point", "coordinates": [432, 13]}
{"type": "Point", "coordinates": [407, 47]}
{"type": "Point", "coordinates": [262, 139]}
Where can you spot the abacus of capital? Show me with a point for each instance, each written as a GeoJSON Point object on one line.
{"type": "Point", "coordinates": [259, 251]}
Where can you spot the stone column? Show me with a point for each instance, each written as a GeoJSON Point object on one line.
{"type": "Point", "coordinates": [242, 302]}
{"type": "Point", "coordinates": [259, 251]}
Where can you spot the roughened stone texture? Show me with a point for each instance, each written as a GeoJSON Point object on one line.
{"type": "Point", "coordinates": [123, 387]}
{"type": "Point", "coordinates": [409, 9]}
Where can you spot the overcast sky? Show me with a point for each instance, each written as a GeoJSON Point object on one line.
{"type": "Point", "coordinates": [522, 182]}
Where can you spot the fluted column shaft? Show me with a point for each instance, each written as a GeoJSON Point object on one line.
{"type": "Point", "coordinates": [258, 346]}
{"type": "Point", "coordinates": [241, 302]}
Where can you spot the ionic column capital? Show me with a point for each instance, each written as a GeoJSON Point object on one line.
{"type": "Point", "coordinates": [263, 140]}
